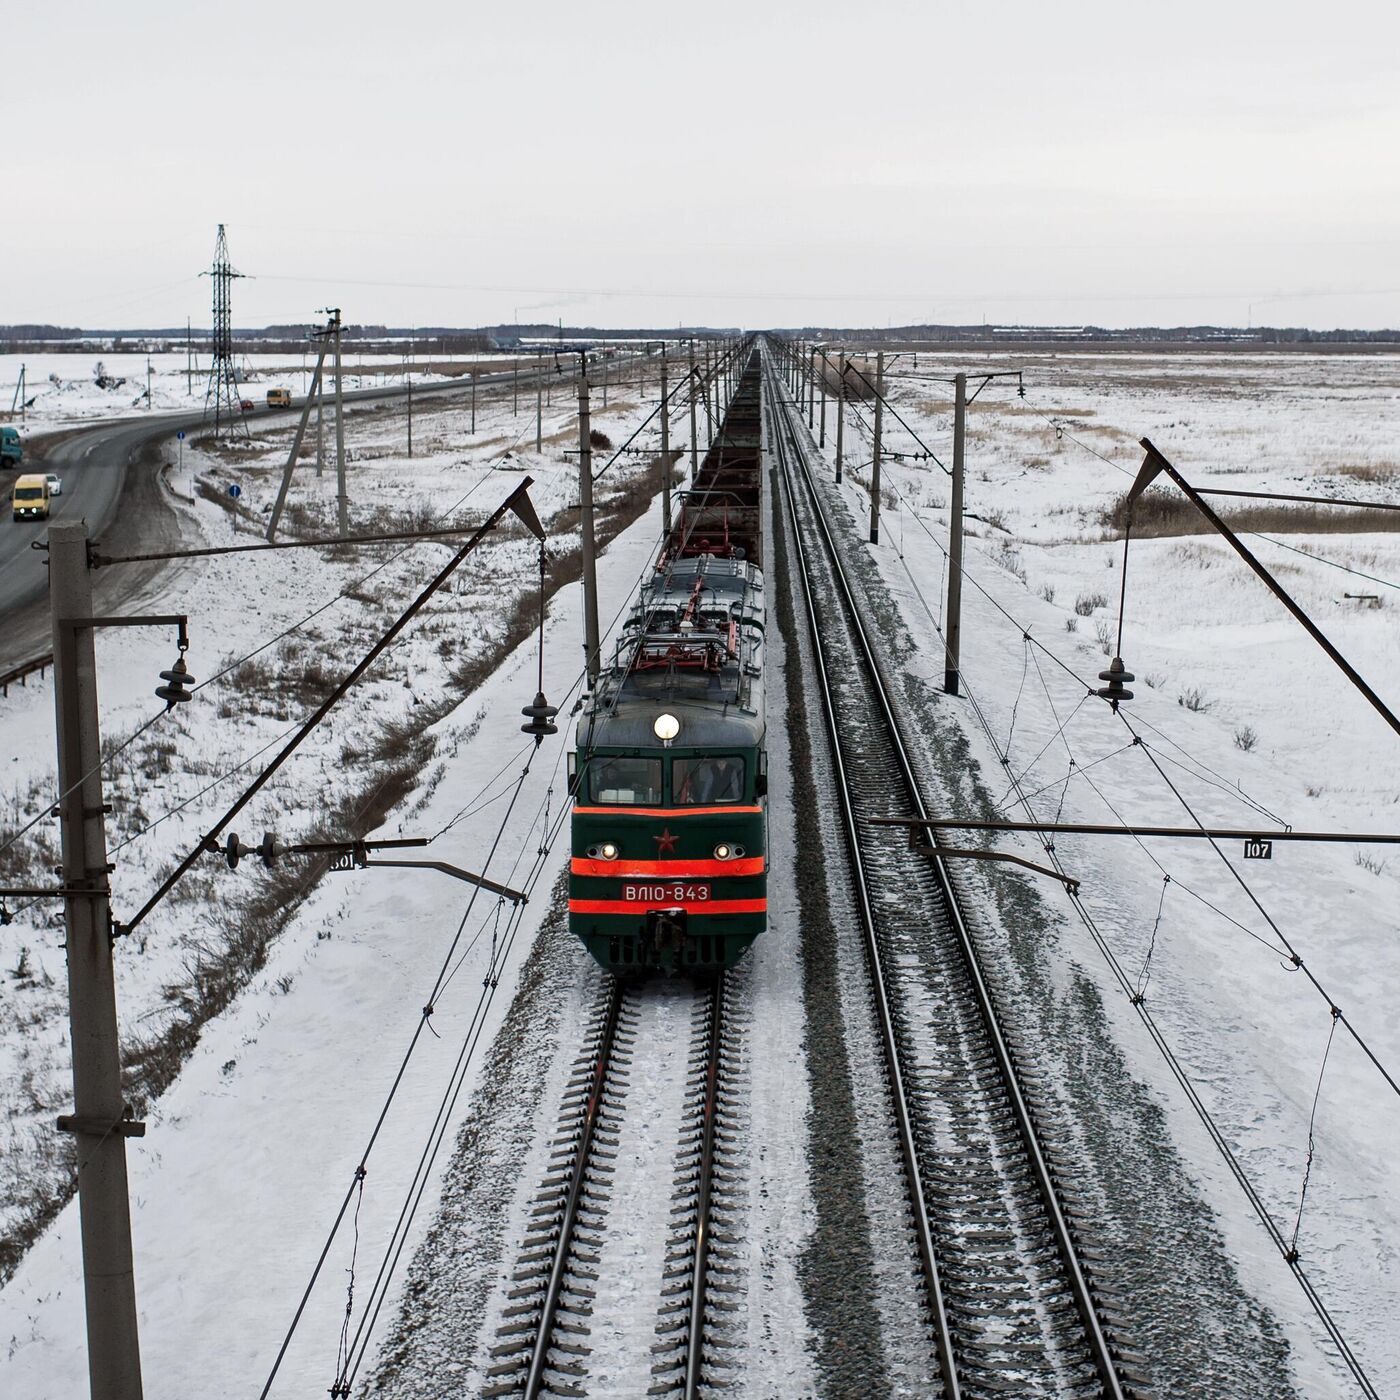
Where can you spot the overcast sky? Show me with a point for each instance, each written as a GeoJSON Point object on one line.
{"type": "Point", "coordinates": [727, 163]}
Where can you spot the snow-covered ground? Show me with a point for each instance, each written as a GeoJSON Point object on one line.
{"type": "Point", "coordinates": [174, 779]}
{"type": "Point", "coordinates": [1241, 711]}
{"type": "Point", "coordinates": [65, 388]}
{"type": "Point", "coordinates": [253, 1146]}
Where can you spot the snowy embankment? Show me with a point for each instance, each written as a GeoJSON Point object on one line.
{"type": "Point", "coordinates": [316, 976]}
{"type": "Point", "coordinates": [1239, 711]}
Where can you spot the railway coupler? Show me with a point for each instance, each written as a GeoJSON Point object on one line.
{"type": "Point", "coordinates": [667, 935]}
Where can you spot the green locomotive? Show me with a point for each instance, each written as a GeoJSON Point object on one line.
{"type": "Point", "coordinates": [670, 854]}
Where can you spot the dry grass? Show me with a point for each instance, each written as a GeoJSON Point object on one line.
{"type": "Point", "coordinates": [1163, 513]}
{"type": "Point", "coordinates": [1009, 558]}
{"type": "Point", "coordinates": [1375, 472]}
{"type": "Point", "coordinates": [856, 387]}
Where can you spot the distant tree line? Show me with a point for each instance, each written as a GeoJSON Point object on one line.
{"type": "Point", "coordinates": [982, 334]}
{"type": "Point", "coordinates": [293, 339]}
{"type": "Point", "coordinates": [458, 340]}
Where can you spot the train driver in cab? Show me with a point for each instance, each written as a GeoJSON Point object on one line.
{"type": "Point", "coordinates": [713, 780]}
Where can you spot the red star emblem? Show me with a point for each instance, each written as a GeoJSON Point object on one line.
{"type": "Point", "coordinates": [665, 843]}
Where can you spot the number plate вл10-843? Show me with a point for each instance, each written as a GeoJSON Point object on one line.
{"type": "Point", "coordinates": [674, 893]}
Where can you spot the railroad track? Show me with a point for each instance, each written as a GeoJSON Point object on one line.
{"type": "Point", "coordinates": [1014, 1303]}
{"type": "Point", "coordinates": [559, 1303]}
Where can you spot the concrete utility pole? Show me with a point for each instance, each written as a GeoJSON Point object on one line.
{"type": "Point", "coordinates": [319, 389]}
{"type": "Point", "coordinates": [707, 383]}
{"type": "Point", "coordinates": [811, 388]}
{"type": "Point", "coordinates": [410, 415]}
{"type": "Point", "coordinates": [341, 495]}
{"type": "Point", "coordinates": [296, 446]}
{"type": "Point", "coordinates": [515, 388]}
{"type": "Point", "coordinates": [148, 382]}
{"type": "Point", "coordinates": [875, 464]}
{"type": "Point", "coordinates": [473, 401]}
{"type": "Point", "coordinates": [665, 450]}
{"type": "Point", "coordinates": [821, 441]}
{"type": "Point", "coordinates": [100, 1118]}
{"type": "Point", "coordinates": [539, 398]}
{"type": "Point", "coordinates": [694, 444]}
{"type": "Point", "coordinates": [585, 493]}
{"type": "Point", "coordinates": [189, 359]}
{"type": "Point", "coordinates": [953, 634]}
{"type": "Point", "coordinates": [840, 417]}
{"type": "Point", "coordinates": [605, 381]}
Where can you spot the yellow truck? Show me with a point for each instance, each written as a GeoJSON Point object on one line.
{"type": "Point", "coordinates": [279, 398]}
{"type": "Point", "coordinates": [31, 498]}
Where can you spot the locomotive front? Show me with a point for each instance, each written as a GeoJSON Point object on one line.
{"type": "Point", "coordinates": [669, 868]}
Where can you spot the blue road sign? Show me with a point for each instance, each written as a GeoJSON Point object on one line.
{"type": "Point", "coordinates": [235, 490]}
{"type": "Point", "coordinates": [181, 435]}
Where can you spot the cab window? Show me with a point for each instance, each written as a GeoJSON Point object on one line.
{"type": "Point", "coordinates": [627, 782]}
{"type": "Point", "coordinates": [29, 493]}
{"type": "Point", "coordinates": [713, 779]}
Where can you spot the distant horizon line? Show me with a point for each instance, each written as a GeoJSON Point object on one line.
{"type": "Point", "coordinates": [38, 332]}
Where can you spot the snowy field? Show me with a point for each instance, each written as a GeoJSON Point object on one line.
{"type": "Point", "coordinates": [269, 634]}
{"type": "Point", "coordinates": [62, 389]}
{"type": "Point", "coordinates": [1240, 711]}
{"type": "Point", "coordinates": [254, 1142]}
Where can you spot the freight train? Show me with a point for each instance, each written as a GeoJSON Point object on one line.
{"type": "Point", "coordinates": [669, 867]}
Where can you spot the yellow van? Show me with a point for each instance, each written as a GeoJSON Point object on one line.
{"type": "Point", "coordinates": [31, 498]}
{"type": "Point", "coordinates": [279, 398]}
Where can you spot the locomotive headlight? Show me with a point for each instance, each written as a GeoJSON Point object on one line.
{"type": "Point", "coordinates": [666, 727]}
{"type": "Point", "coordinates": [722, 852]}
{"type": "Point", "coordinates": [607, 851]}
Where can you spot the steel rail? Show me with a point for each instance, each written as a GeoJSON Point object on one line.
{"type": "Point", "coordinates": [918, 1198]}
{"type": "Point", "coordinates": [549, 1307]}
{"type": "Point", "coordinates": [695, 1342]}
{"type": "Point", "coordinates": [1099, 1345]}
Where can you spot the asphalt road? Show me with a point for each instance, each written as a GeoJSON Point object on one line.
{"type": "Point", "coordinates": [95, 464]}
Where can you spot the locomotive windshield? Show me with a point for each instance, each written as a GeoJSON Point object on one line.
{"type": "Point", "coordinates": [629, 782]}
{"type": "Point", "coordinates": [714, 778]}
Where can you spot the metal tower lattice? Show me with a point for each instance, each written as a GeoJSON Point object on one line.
{"type": "Point", "coordinates": [222, 393]}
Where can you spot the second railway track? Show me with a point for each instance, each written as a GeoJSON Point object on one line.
{"type": "Point", "coordinates": [1015, 1306]}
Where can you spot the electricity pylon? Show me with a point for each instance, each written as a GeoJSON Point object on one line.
{"type": "Point", "coordinates": [222, 392]}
